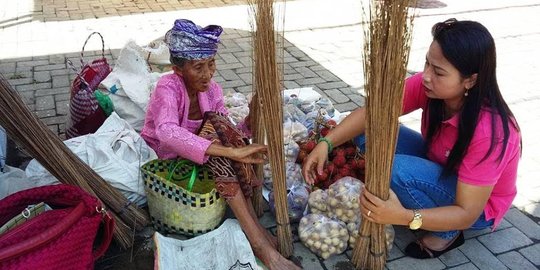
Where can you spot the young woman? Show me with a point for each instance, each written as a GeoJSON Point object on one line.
{"type": "Point", "coordinates": [186, 118]}
{"type": "Point", "coordinates": [461, 172]}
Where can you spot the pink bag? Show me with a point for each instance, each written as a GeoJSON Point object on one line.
{"type": "Point", "coordinates": [62, 238]}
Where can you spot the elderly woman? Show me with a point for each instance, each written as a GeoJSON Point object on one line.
{"type": "Point", "coordinates": [186, 119]}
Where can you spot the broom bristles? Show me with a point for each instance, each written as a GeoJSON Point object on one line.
{"type": "Point", "coordinates": [385, 57]}
{"type": "Point", "coordinates": [40, 142]}
{"type": "Point", "coordinates": [258, 137]}
{"type": "Point", "coordinates": [268, 92]}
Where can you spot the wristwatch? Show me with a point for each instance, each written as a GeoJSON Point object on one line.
{"type": "Point", "coordinates": [416, 222]}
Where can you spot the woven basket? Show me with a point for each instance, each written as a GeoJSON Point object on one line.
{"type": "Point", "coordinates": [174, 208]}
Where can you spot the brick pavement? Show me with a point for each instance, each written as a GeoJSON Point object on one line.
{"type": "Point", "coordinates": [321, 51]}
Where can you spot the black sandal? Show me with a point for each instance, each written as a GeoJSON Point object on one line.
{"type": "Point", "coordinates": [419, 250]}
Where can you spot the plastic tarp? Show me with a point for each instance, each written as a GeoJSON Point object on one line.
{"type": "Point", "coordinates": [115, 152]}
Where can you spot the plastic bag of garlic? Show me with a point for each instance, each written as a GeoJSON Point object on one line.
{"type": "Point", "coordinates": [317, 201]}
{"type": "Point", "coordinates": [343, 199]}
{"type": "Point", "coordinates": [322, 235]}
{"type": "Point", "coordinates": [340, 203]}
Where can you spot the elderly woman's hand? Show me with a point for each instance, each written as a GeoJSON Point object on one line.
{"type": "Point", "coordinates": [253, 153]}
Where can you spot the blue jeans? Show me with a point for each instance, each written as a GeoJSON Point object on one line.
{"type": "Point", "coordinates": [418, 181]}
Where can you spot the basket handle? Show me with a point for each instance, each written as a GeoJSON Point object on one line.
{"type": "Point", "coordinates": [72, 66]}
{"type": "Point", "coordinates": [84, 45]}
{"type": "Point", "coordinates": [192, 174]}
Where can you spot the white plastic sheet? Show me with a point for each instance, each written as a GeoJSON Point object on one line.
{"type": "Point", "coordinates": [115, 152]}
{"type": "Point", "coordinates": [13, 180]}
{"type": "Point", "coordinates": [221, 249]}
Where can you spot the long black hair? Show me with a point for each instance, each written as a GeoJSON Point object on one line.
{"type": "Point", "coordinates": [470, 48]}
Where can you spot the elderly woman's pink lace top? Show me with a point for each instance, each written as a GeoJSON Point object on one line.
{"type": "Point", "coordinates": [167, 128]}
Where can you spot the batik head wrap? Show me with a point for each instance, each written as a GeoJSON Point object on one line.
{"type": "Point", "coordinates": [188, 40]}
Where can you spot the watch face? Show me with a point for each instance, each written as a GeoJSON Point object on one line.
{"type": "Point", "coordinates": [415, 224]}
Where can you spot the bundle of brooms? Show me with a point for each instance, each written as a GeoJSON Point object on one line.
{"type": "Point", "coordinates": [268, 95]}
{"type": "Point", "coordinates": [258, 136]}
{"type": "Point", "coordinates": [385, 57]}
{"type": "Point", "coordinates": [23, 127]}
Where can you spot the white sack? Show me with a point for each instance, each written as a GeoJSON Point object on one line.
{"type": "Point", "coordinates": [130, 84]}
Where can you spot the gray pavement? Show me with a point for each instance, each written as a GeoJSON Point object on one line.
{"type": "Point", "coordinates": [323, 44]}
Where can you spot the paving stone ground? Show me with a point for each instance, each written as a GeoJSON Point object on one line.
{"type": "Point", "coordinates": [322, 51]}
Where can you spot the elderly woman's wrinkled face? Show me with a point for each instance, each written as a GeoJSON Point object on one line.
{"type": "Point", "coordinates": [197, 74]}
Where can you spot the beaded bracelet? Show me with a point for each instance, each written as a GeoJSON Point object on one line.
{"type": "Point", "coordinates": [328, 142]}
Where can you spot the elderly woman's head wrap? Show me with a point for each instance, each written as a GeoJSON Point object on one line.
{"type": "Point", "coordinates": [189, 41]}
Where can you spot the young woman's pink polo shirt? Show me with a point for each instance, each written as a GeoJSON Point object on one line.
{"type": "Point", "coordinates": [501, 174]}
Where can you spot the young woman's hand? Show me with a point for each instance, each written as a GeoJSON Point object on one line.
{"type": "Point", "coordinates": [314, 163]}
{"type": "Point", "coordinates": [352, 126]}
{"type": "Point", "coordinates": [379, 211]}
{"type": "Point", "coordinates": [253, 153]}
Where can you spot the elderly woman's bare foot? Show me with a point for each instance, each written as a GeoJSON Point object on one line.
{"type": "Point", "coordinates": [274, 261]}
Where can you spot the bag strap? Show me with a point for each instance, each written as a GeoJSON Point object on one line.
{"type": "Point", "coordinates": [46, 236]}
{"type": "Point", "coordinates": [62, 195]}
{"type": "Point", "coordinates": [108, 230]}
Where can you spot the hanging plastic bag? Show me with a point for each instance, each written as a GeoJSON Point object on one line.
{"type": "Point", "coordinates": [104, 102]}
